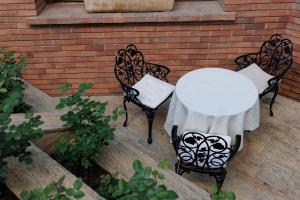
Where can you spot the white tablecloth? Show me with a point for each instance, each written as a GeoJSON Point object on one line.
{"type": "Point", "coordinates": [214, 101]}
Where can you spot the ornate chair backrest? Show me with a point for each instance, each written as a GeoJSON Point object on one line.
{"type": "Point", "coordinates": [129, 66]}
{"type": "Point", "coordinates": [276, 55]}
{"type": "Point", "coordinates": [203, 150]}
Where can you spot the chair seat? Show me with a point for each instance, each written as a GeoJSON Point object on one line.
{"type": "Point", "coordinates": [153, 91]}
{"type": "Point", "coordinates": [215, 148]}
{"type": "Point", "coordinates": [257, 76]}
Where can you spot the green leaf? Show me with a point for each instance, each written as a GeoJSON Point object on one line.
{"type": "Point", "coordinates": [65, 87]}
{"type": "Point", "coordinates": [77, 184]}
{"type": "Point", "coordinates": [10, 54]}
{"type": "Point", "coordinates": [155, 173]}
{"type": "Point", "coordinates": [1, 83]}
{"type": "Point", "coordinates": [222, 195]}
{"type": "Point", "coordinates": [78, 194]}
{"type": "Point", "coordinates": [121, 111]}
{"type": "Point", "coordinates": [25, 195]}
{"type": "Point", "coordinates": [28, 160]}
{"type": "Point", "coordinates": [160, 176]}
{"type": "Point", "coordinates": [214, 196]}
{"type": "Point", "coordinates": [137, 165]}
{"type": "Point", "coordinates": [49, 189]}
{"type": "Point", "coordinates": [3, 90]}
{"type": "Point", "coordinates": [85, 86]}
{"type": "Point", "coordinates": [60, 106]}
{"type": "Point", "coordinates": [70, 191]}
{"type": "Point", "coordinates": [164, 164]}
{"type": "Point", "coordinates": [16, 93]}
{"type": "Point", "coordinates": [114, 117]}
{"type": "Point", "coordinates": [61, 180]}
{"type": "Point", "coordinates": [28, 115]}
{"type": "Point", "coordinates": [230, 196]}
{"type": "Point", "coordinates": [172, 195]}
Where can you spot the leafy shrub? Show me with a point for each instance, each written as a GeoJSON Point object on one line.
{"type": "Point", "coordinates": [55, 191]}
{"type": "Point", "coordinates": [142, 185]}
{"type": "Point", "coordinates": [14, 139]}
{"type": "Point", "coordinates": [90, 124]}
{"type": "Point", "coordinates": [10, 74]}
{"type": "Point", "coordinates": [221, 195]}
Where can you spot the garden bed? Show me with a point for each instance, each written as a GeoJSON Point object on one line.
{"type": "Point", "coordinates": [117, 156]}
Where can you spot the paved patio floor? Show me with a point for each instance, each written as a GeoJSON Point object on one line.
{"type": "Point", "coordinates": [267, 168]}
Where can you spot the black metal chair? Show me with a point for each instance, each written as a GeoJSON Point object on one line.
{"type": "Point", "coordinates": [143, 83]}
{"type": "Point", "coordinates": [274, 58]}
{"type": "Point", "coordinates": [204, 153]}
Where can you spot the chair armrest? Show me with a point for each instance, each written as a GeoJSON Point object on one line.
{"type": "Point", "coordinates": [158, 71]}
{"type": "Point", "coordinates": [272, 83]}
{"type": "Point", "coordinates": [132, 94]}
{"type": "Point", "coordinates": [246, 60]}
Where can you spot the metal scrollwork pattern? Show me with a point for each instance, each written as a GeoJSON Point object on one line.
{"type": "Point", "coordinates": [129, 65]}
{"type": "Point", "coordinates": [276, 55]}
{"type": "Point", "coordinates": [158, 71]}
{"type": "Point", "coordinates": [246, 60]}
{"type": "Point", "coordinates": [132, 94]}
{"type": "Point", "coordinates": [196, 149]}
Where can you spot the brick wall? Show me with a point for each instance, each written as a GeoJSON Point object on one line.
{"type": "Point", "coordinates": [291, 88]}
{"type": "Point", "coordinates": [76, 53]}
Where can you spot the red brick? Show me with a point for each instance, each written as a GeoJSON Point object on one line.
{"type": "Point", "coordinates": [26, 13]}
{"type": "Point", "coordinates": [254, 26]}
{"type": "Point", "coordinates": [265, 19]}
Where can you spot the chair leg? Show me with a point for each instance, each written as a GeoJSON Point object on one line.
{"type": "Point", "coordinates": [150, 117]}
{"type": "Point", "coordinates": [220, 177]}
{"type": "Point", "coordinates": [126, 112]}
{"type": "Point", "coordinates": [178, 169]}
{"type": "Point", "coordinates": [273, 99]}
{"type": "Point", "coordinates": [2, 190]}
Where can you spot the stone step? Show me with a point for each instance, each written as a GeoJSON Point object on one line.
{"type": "Point", "coordinates": [40, 173]}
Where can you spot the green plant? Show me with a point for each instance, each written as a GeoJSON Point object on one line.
{"type": "Point", "coordinates": [92, 128]}
{"type": "Point", "coordinates": [10, 78]}
{"type": "Point", "coordinates": [221, 195]}
{"type": "Point", "coordinates": [143, 185]}
{"type": "Point", "coordinates": [55, 191]}
{"type": "Point", "coordinates": [16, 138]}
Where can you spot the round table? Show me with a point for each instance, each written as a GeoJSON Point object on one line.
{"type": "Point", "coordinates": [214, 101]}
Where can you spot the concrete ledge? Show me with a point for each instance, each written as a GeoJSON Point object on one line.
{"type": "Point", "coordinates": [75, 13]}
